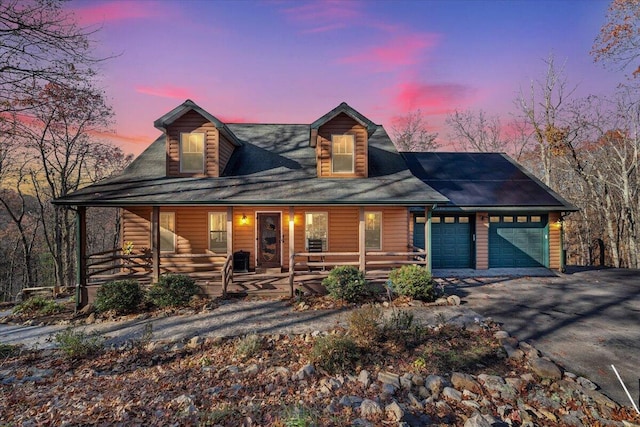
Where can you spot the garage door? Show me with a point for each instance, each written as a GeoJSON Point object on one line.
{"type": "Point", "coordinates": [451, 240]}
{"type": "Point", "coordinates": [518, 241]}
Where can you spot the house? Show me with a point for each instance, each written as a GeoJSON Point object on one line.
{"type": "Point", "coordinates": [269, 195]}
{"type": "Point", "coordinates": [498, 214]}
{"type": "Point", "coordinates": [218, 200]}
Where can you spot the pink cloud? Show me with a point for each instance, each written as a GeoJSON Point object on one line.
{"type": "Point", "coordinates": [326, 15]}
{"type": "Point", "coordinates": [431, 98]}
{"type": "Point", "coordinates": [166, 91]}
{"type": "Point", "coordinates": [399, 51]}
{"type": "Point", "coordinates": [115, 11]}
{"type": "Point", "coordinates": [234, 119]}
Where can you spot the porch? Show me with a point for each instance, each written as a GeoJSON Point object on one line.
{"type": "Point", "coordinates": [305, 275]}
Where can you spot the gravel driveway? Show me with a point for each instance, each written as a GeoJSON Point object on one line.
{"type": "Point", "coordinates": [586, 320]}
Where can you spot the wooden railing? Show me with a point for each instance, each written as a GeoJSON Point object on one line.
{"type": "Point", "coordinates": [227, 274]}
{"type": "Point", "coordinates": [114, 261]}
{"type": "Point", "coordinates": [393, 259]}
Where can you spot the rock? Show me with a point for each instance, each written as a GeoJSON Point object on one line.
{"type": "Point", "coordinates": [394, 411]}
{"type": "Point", "coordinates": [586, 383]}
{"type": "Point", "coordinates": [389, 378]}
{"type": "Point", "coordinates": [572, 420]}
{"type": "Point", "coordinates": [441, 301]}
{"type": "Point", "coordinates": [529, 350]}
{"type": "Point", "coordinates": [545, 368]}
{"type": "Point", "coordinates": [305, 372]}
{"type": "Point", "coordinates": [462, 381]}
{"type": "Point", "coordinates": [387, 391]}
{"type": "Point", "coordinates": [369, 408]}
{"type": "Point", "coordinates": [453, 300]}
{"type": "Point", "coordinates": [424, 392]}
{"type": "Point", "coordinates": [628, 424]}
{"type": "Point", "coordinates": [516, 383]}
{"type": "Point", "coordinates": [497, 386]}
{"type": "Point", "coordinates": [513, 353]}
{"type": "Point", "coordinates": [405, 381]}
{"type": "Point", "coordinates": [477, 421]}
{"type": "Point", "coordinates": [252, 369]}
{"type": "Point", "coordinates": [417, 380]}
{"type": "Point", "coordinates": [452, 393]}
{"type": "Point", "coordinates": [361, 422]}
{"type": "Point", "coordinates": [195, 342]}
{"type": "Point", "coordinates": [350, 401]}
{"type": "Point", "coordinates": [501, 335]}
{"type": "Point", "coordinates": [91, 319]}
{"type": "Point", "coordinates": [86, 310]}
{"type": "Point", "coordinates": [415, 402]}
{"type": "Point", "coordinates": [547, 414]}
{"type": "Point", "coordinates": [601, 399]}
{"type": "Point", "coordinates": [435, 384]}
{"type": "Point", "coordinates": [471, 404]}
{"type": "Point", "coordinates": [364, 378]}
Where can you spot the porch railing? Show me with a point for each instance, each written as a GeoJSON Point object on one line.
{"type": "Point", "coordinates": [227, 274]}
{"type": "Point", "coordinates": [108, 264]}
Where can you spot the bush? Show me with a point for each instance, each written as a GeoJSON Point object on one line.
{"type": "Point", "coordinates": [77, 344]}
{"type": "Point", "coordinates": [346, 282]}
{"type": "Point", "coordinates": [173, 290]}
{"type": "Point", "coordinates": [335, 353]}
{"type": "Point", "coordinates": [413, 281]}
{"type": "Point", "coordinates": [363, 325]}
{"type": "Point", "coordinates": [121, 296]}
{"type": "Point", "coordinates": [401, 329]}
{"type": "Point", "coordinates": [39, 305]}
{"type": "Point", "coordinates": [249, 345]}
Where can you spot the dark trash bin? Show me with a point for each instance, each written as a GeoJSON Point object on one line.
{"type": "Point", "coordinates": [241, 262]}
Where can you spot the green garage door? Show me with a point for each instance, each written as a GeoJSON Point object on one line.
{"type": "Point", "coordinates": [518, 241]}
{"type": "Point", "coordinates": [451, 241]}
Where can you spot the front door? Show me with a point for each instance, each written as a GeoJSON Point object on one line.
{"type": "Point", "coordinates": [269, 240]}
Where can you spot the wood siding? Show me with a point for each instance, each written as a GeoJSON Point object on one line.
{"type": "Point", "coordinates": [555, 249]}
{"type": "Point", "coordinates": [482, 240]}
{"type": "Point", "coordinates": [193, 122]}
{"type": "Point", "coordinates": [192, 231]}
{"type": "Point", "coordinates": [340, 125]}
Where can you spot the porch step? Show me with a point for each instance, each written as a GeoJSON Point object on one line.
{"type": "Point", "coordinates": [274, 270]}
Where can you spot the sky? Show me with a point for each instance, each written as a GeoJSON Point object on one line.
{"type": "Point", "coordinates": [278, 61]}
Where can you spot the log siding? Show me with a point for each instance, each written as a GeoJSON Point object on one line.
{"type": "Point", "coordinates": [342, 124]}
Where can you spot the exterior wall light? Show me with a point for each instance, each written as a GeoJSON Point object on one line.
{"type": "Point", "coordinates": [244, 220]}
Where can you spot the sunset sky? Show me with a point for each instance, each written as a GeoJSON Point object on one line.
{"type": "Point", "coordinates": [285, 61]}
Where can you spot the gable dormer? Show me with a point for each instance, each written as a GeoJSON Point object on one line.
{"type": "Point", "coordinates": [341, 139]}
{"type": "Point", "coordinates": [197, 143]}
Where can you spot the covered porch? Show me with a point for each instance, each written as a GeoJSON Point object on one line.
{"type": "Point", "coordinates": [301, 267]}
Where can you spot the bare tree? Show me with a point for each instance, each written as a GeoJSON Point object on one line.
{"type": "Point", "coordinates": [544, 110]}
{"type": "Point", "coordinates": [410, 133]}
{"type": "Point", "coordinates": [59, 136]}
{"type": "Point", "coordinates": [40, 43]}
{"type": "Point", "coordinates": [619, 39]}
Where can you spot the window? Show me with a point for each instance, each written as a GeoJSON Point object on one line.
{"type": "Point", "coordinates": [218, 232]}
{"type": "Point", "coordinates": [373, 230]}
{"type": "Point", "coordinates": [342, 158]}
{"type": "Point", "coordinates": [192, 152]}
{"type": "Point", "coordinates": [316, 226]}
{"type": "Point", "coordinates": [507, 219]}
{"type": "Point", "coordinates": [494, 218]}
{"type": "Point", "coordinates": [167, 232]}
{"type": "Point", "coordinates": [435, 220]}
{"type": "Point", "coordinates": [463, 220]}
{"type": "Point", "coordinates": [536, 218]}
{"type": "Point", "coordinates": [522, 219]}
{"type": "Point", "coordinates": [449, 219]}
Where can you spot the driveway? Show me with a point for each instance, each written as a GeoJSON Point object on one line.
{"type": "Point", "coordinates": [586, 320]}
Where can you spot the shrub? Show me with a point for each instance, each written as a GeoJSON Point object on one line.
{"type": "Point", "coordinates": [7, 350]}
{"type": "Point", "coordinates": [335, 353]}
{"type": "Point", "coordinates": [346, 282]}
{"type": "Point", "coordinates": [401, 329]}
{"type": "Point", "coordinates": [363, 325]}
{"type": "Point", "coordinates": [39, 305]}
{"type": "Point", "coordinates": [413, 281]}
{"type": "Point", "coordinates": [299, 416]}
{"type": "Point", "coordinates": [77, 344]}
{"type": "Point", "coordinates": [121, 296]}
{"type": "Point", "coordinates": [249, 345]}
{"type": "Point", "coordinates": [173, 290]}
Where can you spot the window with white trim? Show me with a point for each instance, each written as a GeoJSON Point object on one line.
{"type": "Point", "coordinates": [316, 226]}
{"type": "Point", "coordinates": [342, 153]}
{"type": "Point", "coordinates": [373, 230]}
{"type": "Point", "coordinates": [167, 232]}
{"type": "Point", "coordinates": [218, 232]}
{"type": "Point", "coordinates": [192, 152]}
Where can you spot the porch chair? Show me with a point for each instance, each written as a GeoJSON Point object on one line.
{"type": "Point", "coordinates": [314, 246]}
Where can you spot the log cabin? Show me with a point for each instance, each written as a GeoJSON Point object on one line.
{"type": "Point", "coordinates": [269, 204]}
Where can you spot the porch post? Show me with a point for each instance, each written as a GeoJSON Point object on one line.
{"type": "Point", "coordinates": [82, 297]}
{"type": "Point", "coordinates": [155, 243]}
{"type": "Point", "coordinates": [228, 279]}
{"type": "Point", "coordinates": [361, 241]}
{"type": "Point", "coordinates": [427, 238]}
{"type": "Point", "coordinates": [292, 249]}
{"type": "Point", "coordinates": [229, 230]}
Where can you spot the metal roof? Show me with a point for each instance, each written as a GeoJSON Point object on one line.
{"type": "Point", "coordinates": [273, 165]}
{"type": "Point", "coordinates": [473, 181]}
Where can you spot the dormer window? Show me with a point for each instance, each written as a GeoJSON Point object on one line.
{"type": "Point", "coordinates": [192, 152]}
{"type": "Point", "coordinates": [342, 153]}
